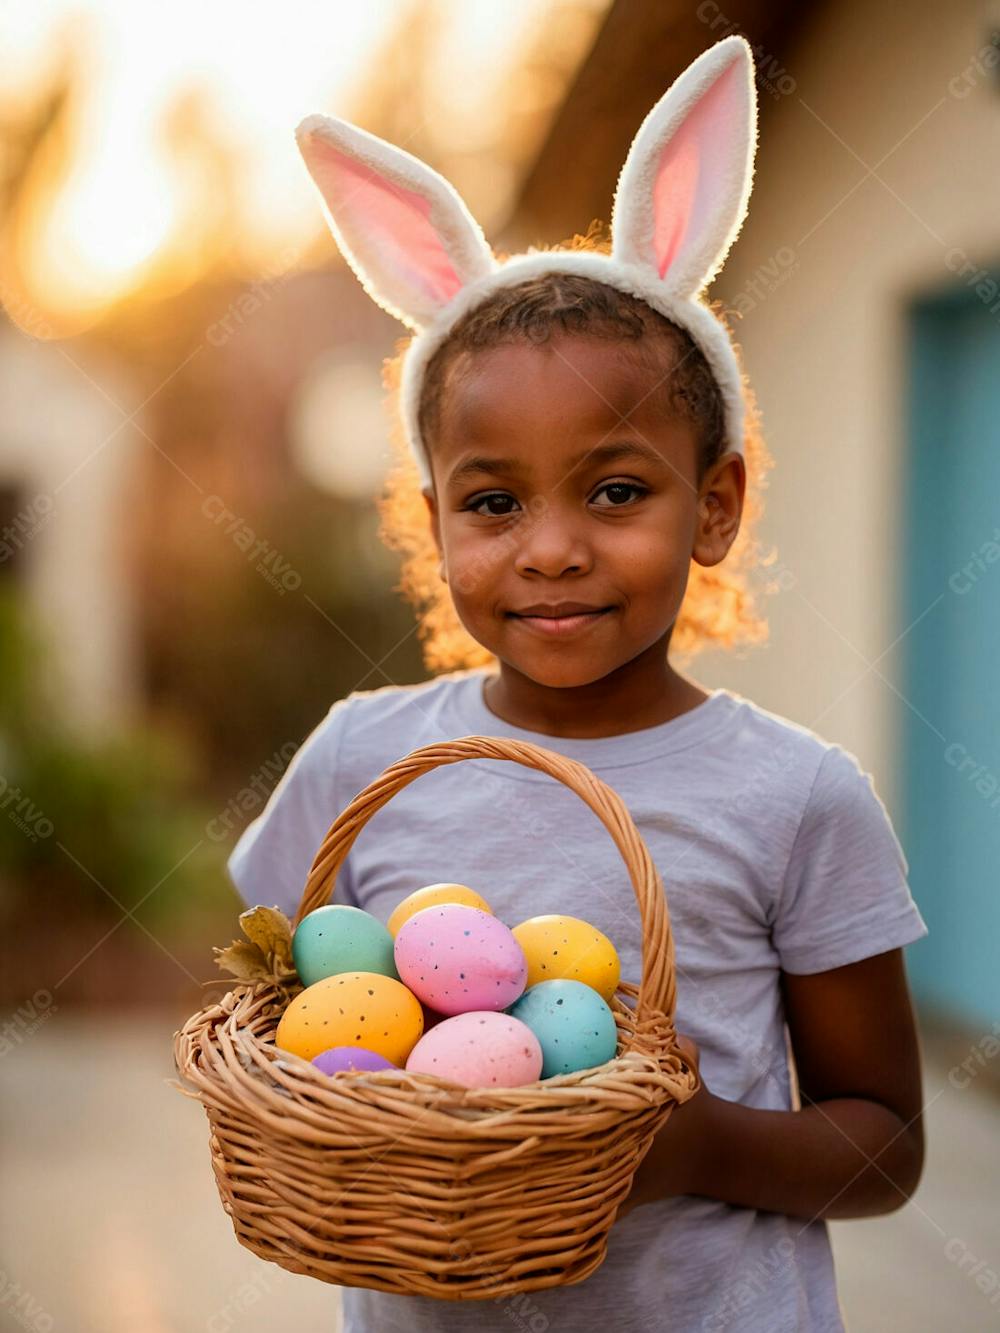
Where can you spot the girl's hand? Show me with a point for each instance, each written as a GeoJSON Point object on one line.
{"type": "Point", "coordinates": [852, 1148]}
{"type": "Point", "coordinates": [671, 1165]}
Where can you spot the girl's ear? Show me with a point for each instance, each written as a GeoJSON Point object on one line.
{"type": "Point", "coordinates": [683, 191]}
{"type": "Point", "coordinates": [433, 517]}
{"type": "Point", "coordinates": [403, 229]}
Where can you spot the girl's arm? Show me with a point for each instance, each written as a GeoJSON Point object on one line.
{"type": "Point", "coordinates": [856, 1147]}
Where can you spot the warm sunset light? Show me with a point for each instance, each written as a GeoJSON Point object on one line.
{"type": "Point", "coordinates": [99, 232]}
{"type": "Point", "coordinates": [111, 201]}
{"type": "Point", "coordinates": [176, 143]}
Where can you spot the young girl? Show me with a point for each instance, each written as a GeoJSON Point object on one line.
{"type": "Point", "coordinates": [582, 440]}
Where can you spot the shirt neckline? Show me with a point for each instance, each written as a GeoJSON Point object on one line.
{"type": "Point", "coordinates": [469, 711]}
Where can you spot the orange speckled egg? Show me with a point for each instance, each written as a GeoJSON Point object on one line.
{"type": "Point", "coordinates": [352, 1009]}
{"type": "Point", "coordinates": [565, 948]}
{"type": "Point", "coordinates": [431, 896]}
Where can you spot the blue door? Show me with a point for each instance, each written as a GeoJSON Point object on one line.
{"type": "Point", "coordinates": [950, 678]}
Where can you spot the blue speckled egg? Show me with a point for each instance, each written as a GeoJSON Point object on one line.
{"type": "Point", "coordinates": [574, 1026]}
{"type": "Point", "coordinates": [338, 938]}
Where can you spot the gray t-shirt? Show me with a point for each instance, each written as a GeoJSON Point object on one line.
{"type": "Point", "coordinates": [776, 854]}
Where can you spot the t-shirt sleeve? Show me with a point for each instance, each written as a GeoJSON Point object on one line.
{"type": "Point", "coordinates": [271, 860]}
{"type": "Point", "coordinates": [845, 894]}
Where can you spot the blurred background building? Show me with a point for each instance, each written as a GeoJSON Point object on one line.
{"type": "Point", "coordinates": [193, 432]}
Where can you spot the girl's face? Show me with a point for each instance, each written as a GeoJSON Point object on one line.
{"type": "Point", "coordinates": [566, 506]}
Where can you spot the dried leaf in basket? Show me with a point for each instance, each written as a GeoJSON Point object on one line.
{"type": "Point", "coordinates": [266, 953]}
{"type": "Point", "coordinates": [271, 931]}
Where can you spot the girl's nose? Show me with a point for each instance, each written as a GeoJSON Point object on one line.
{"type": "Point", "coordinates": [550, 541]}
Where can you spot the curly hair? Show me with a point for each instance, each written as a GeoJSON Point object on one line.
{"type": "Point", "coordinates": [720, 606]}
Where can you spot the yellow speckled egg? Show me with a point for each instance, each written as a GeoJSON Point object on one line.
{"type": "Point", "coordinates": [432, 896]}
{"type": "Point", "coordinates": [353, 1009]}
{"type": "Point", "coordinates": [566, 948]}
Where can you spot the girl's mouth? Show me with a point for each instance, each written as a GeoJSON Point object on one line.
{"type": "Point", "coordinates": [559, 626]}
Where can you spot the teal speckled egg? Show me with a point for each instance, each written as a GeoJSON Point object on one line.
{"type": "Point", "coordinates": [338, 938]}
{"type": "Point", "coordinates": [574, 1026]}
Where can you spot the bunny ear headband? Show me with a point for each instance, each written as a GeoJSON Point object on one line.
{"type": "Point", "coordinates": [680, 202]}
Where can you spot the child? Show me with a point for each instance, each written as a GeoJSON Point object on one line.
{"type": "Point", "coordinates": [579, 425]}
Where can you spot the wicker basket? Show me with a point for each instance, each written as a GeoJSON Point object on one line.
{"type": "Point", "coordinates": [407, 1183]}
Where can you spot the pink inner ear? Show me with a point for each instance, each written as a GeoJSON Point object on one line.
{"type": "Point", "coordinates": [392, 217]}
{"type": "Point", "coordinates": [690, 175]}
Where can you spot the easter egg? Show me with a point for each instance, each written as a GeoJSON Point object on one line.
{"type": "Point", "coordinates": [338, 938]}
{"type": "Point", "coordinates": [564, 946]}
{"type": "Point", "coordinates": [574, 1026]}
{"type": "Point", "coordinates": [350, 1058]}
{"type": "Point", "coordinates": [458, 958]}
{"type": "Point", "coordinates": [481, 1049]}
{"type": "Point", "coordinates": [365, 1009]}
{"type": "Point", "coordinates": [432, 896]}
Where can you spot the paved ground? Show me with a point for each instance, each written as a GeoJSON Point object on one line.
{"type": "Point", "coordinates": [110, 1222]}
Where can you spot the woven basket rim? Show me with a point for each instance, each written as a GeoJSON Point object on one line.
{"type": "Point", "coordinates": [635, 1075]}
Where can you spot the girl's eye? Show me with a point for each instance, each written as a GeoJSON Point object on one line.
{"type": "Point", "coordinates": [494, 498]}
{"type": "Point", "coordinates": [615, 489]}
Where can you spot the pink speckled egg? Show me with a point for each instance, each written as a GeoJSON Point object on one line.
{"type": "Point", "coordinates": [481, 1049]}
{"type": "Point", "coordinates": [457, 958]}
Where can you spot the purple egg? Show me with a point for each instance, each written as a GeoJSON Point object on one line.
{"type": "Point", "coordinates": [350, 1058]}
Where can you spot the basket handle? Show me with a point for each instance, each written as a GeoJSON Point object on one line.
{"type": "Point", "coordinates": [657, 987]}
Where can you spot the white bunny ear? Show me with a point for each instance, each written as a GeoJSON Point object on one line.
{"type": "Point", "coordinates": [683, 191]}
{"type": "Point", "coordinates": [403, 228]}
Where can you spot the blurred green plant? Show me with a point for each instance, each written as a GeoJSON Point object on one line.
{"type": "Point", "coordinates": [93, 825]}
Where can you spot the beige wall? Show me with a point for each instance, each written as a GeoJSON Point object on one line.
{"type": "Point", "coordinates": [910, 87]}
{"type": "Point", "coordinates": [66, 438]}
